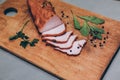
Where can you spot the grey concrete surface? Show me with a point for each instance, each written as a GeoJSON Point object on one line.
{"type": "Point", "coordinates": [14, 68]}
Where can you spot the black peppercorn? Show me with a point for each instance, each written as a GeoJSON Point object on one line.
{"type": "Point", "coordinates": [62, 15]}
{"type": "Point", "coordinates": [67, 22]}
{"type": "Point", "coordinates": [101, 45]}
{"type": "Point", "coordinates": [62, 12]}
{"type": "Point", "coordinates": [70, 50]}
{"type": "Point", "coordinates": [104, 42]}
{"type": "Point", "coordinates": [95, 45]}
{"type": "Point", "coordinates": [91, 40]}
{"type": "Point", "coordinates": [103, 27]}
{"type": "Point", "coordinates": [67, 16]}
{"type": "Point", "coordinates": [107, 32]}
{"type": "Point", "coordinates": [104, 38]}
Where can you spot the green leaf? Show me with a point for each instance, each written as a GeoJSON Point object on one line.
{"type": "Point", "coordinates": [92, 19]}
{"type": "Point", "coordinates": [98, 36]}
{"type": "Point", "coordinates": [76, 23]}
{"type": "Point", "coordinates": [13, 37]}
{"type": "Point", "coordinates": [85, 30]}
{"type": "Point", "coordinates": [33, 42]}
{"type": "Point", "coordinates": [24, 43]}
{"type": "Point", "coordinates": [20, 34]}
{"type": "Point", "coordinates": [26, 37]}
{"type": "Point", "coordinates": [99, 30]}
{"type": "Point", "coordinates": [96, 29]}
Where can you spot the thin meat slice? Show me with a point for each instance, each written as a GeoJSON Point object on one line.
{"type": "Point", "coordinates": [61, 39]}
{"type": "Point", "coordinates": [75, 49]}
{"type": "Point", "coordinates": [66, 45]}
{"type": "Point", "coordinates": [43, 15]}
{"type": "Point", "coordinates": [51, 23]}
{"type": "Point", "coordinates": [56, 31]}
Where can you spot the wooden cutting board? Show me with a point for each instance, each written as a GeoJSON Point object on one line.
{"type": "Point", "coordinates": [90, 64]}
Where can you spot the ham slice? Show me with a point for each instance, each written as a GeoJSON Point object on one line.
{"type": "Point", "coordinates": [56, 31]}
{"type": "Point", "coordinates": [66, 45]}
{"type": "Point", "coordinates": [51, 23]}
{"type": "Point", "coordinates": [75, 49]}
{"type": "Point", "coordinates": [61, 39]}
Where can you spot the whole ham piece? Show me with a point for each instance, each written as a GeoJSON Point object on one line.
{"type": "Point", "coordinates": [44, 15]}
{"type": "Point", "coordinates": [52, 28]}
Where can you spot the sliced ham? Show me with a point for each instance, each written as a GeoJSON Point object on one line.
{"type": "Point", "coordinates": [51, 23]}
{"type": "Point", "coordinates": [61, 39]}
{"type": "Point", "coordinates": [75, 49]}
{"type": "Point", "coordinates": [66, 45]}
{"type": "Point", "coordinates": [53, 29]}
{"type": "Point", "coordinates": [56, 31]}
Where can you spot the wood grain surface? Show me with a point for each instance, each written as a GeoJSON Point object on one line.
{"type": "Point", "coordinates": [89, 65]}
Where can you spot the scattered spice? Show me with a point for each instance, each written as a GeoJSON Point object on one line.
{"type": "Point", "coordinates": [91, 40]}
{"type": "Point", "coordinates": [95, 45]}
{"type": "Point", "coordinates": [104, 42]}
{"type": "Point", "coordinates": [67, 22]}
{"type": "Point", "coordinates": [62, 12]}
{"type": "Point", "coordinates": [102, 27]}
{"type": "Point", "coordinates": [104, 38]}
{"type": "Point", "coordinates": [107, 32]}
{"type": "Point", "coordinates": [78, 47]}
{"type": "Point", "coordinates": [70, 50]}
{"type": "Point", "coordinates": [101, 45]}
{"type": "Point", "coordinates": [67, 16]}
{"type": "Point", "coordinates": [62, 16]}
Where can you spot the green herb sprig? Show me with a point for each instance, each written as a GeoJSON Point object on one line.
{"type": "Point", "coordinates": [20, 33]}
{"type": "Point", "coordinates": [92, 30]}
{"type": "Point", "coordinates": [25, 39]}
{"type": "Point", "coordinates": [86, 29]}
